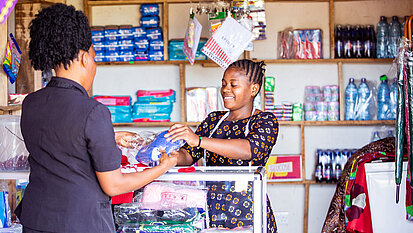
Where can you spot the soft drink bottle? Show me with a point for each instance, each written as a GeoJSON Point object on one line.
{"type": "Point", "coordinates": [394, 35]}
{"type": "Point", "coordinates": [364, 99]}
{"type": "Point", "coordinates": [351, 99]}
{"type": "Point", "coordinates": [348, 33]}
{"type": "Point", "coordinates": [383, 99]}
{"type": "Point", "coordinates": [358, 42]}
{"type": "Point", "coordinates": [319, 173]}
{"type": "Point", "coordinates": [327, 175]}
{"type": "Point", "coordinates": [337, 172]}
{"type": "Point", "coordinates": [339, 49]}
{"type": "Point", "coordinates": [369, 42]}
{"type": "Point", "coordinates": [382, 37]}
{"type": "Point", "coordinates": [393, 100]}
{"type": "Point", "coordinates": [344, 157]}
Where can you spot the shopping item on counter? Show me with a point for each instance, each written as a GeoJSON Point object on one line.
{"type": "Point", "coordinates": [200, 101]}
{"type": "Point", "coordinates": [5, 212]}
{"type": "Point", "coordinates": [152, 152]}
{"type": "Point", "coordinates": [228, 42]}
{"type": "Point", "coordinates": [161, 196]}
{"type": "Point", "coordinates": [12, 58]}
{"type": "Point", "coordinates": [192, 36]}
{"type": "Point", "coordinates": [13, 153]}
{"type": "Point", "coordinates": [182, 228]}
{"type": "Point", "coordinates": [132, 213]}
{"type": "Point", "coordinates": [248, 229]}
{"type": "Point", "coordinates": [6, 7]}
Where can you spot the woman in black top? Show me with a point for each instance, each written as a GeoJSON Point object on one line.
{"type": "Point", "coordinates": [74, 160]}
{"type": "Point", "coordinates": [241, 136]}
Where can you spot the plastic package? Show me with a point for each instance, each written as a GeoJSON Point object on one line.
{"type": "Point", "coordinates": [150, 21]}
{"type": "Point", "coordinates": [5, 212]}
{"type": "Point", "coordinates": [183, 228]}
{"type": "Point", "coordinates": [131, 213]}
{"type": "Point", "coordinates": [13, 153]}
{"type": "Point", "coordinates": [152, 152]}
{"type": "Point", "coordinates": [11, 62]}
{"type": "Point", "coordinates": [149, 9]}
{"type": "Point", "coordinates": [235, 230]}
{"type": "Point", "coordinates": [201, 101]}
{"type": "Point", "coordinates": [161, 196]}
{"type": "Point", "coordinates": [156, 96]}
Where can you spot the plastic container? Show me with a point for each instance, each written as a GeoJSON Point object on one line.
{"type": "Point", "coordinates": [393, 100]}
{"type": "Point", "coordinates": [364, 100]}
{"type": "Point", "coordinates": [351, 99]}
{"type": "Point", "coordinates": [382, 37]}
{"type": "Point", "coordinates": [394, 35]}
{"type": "Point", "coordinates": [13, 153]}
{"type": "Point", "coordinates": [383, 99]}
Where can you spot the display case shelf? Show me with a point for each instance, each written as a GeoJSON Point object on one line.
{"type": "Point", "coordinates": [11, 175]}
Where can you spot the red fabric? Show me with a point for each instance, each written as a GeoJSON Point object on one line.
{"type": "Point", "coordinates": [358, 214]}
{"type": "Point", "coordinates": [122, 198]}
{"type": "Point", "coordinates": [124, 161]}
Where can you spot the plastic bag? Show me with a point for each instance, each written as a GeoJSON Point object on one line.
{"type": "Point", "coordinates": [152, 152]}
{"type": "Point", "coordinates": [191, 41]}
{"type": "Point", "coordinates": [161, 196]}
{"type": "Point", "coordinates": [130, 213]}
{"type": "Point", "coordinates": [235, 230]}
{"type": "Point", "coordinates": [11, 63]}
{"type": "Point", "coordinates": [183, 228]}
{"type": "Point", "coordinates": [5, 212]}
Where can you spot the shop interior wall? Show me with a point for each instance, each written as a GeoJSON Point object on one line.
{"type": "Point", "coordinates": [290, 82]}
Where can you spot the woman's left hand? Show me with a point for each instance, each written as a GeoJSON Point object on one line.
{"type": "Point", "coordinates": [124, 138]}
{"type": "Point", "coordinates": [180, 131]}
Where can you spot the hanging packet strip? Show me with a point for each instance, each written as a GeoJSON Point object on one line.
{"type": "Point", "coordinates": [228, 43]}
{"type": "Point", "coordinates": [6, 7]}
{"type": "Point", "coordinates": [11, 62]}
{"type": "Point", "coordinates": [191, 41]}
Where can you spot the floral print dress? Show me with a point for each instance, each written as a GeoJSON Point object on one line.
{"type": "Point", "coordinates": [228, 207]}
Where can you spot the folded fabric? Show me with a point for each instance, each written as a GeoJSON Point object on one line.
{"type": "Point", "coordinates": [161, 196]}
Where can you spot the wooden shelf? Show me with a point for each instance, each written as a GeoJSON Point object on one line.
{"type": "Point", "coordinates": [286, 123]}
{"type": "Point", "coordinates": [10, 108]}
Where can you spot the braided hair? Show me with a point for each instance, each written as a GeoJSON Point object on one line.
{"type": "Point", "coordinates": [255, 71]}
{"type": "Point", "coordinates": [57, 35]}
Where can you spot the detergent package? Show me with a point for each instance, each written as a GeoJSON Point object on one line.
{"type": "Point", "coordinates": [151, 153]}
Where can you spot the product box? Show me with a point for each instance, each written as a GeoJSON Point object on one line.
{"type": "Point", "coordinates": [138, 32]}
{"type": "Point", "coordinates": [152, 107]}
{"type": "Point", "coordinates": [156, 96]}
{"type": "Point", "coordinates": [141, 55]}
{"type": "Point", "coordinates": [125, 32]}
{"type": "Point", "coordinates": [176, 53]}
{"type": "Point", "coordinates": [141, 44]}
{"type": "Point", "coordinates": [284, 168]}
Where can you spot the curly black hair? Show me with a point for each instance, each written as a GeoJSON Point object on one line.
{"type": "Point", "coordinates": [57, 35]}
{"type": "Point", "coordinates": [255, 71]}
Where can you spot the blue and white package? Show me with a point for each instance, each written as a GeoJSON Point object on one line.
{"type": "Point", "coordinates": [99, 48]}
{"type": "Point", "coordinates": [5, 213]}
{"type": "Point", "coordinates": [100, 53]}
{"type": "Point", "coordinates": [100, 59]}
{"type": "Point", "coordinates": [141, 44]}
{"type": "Point", "coordinates": [125, 32]}
{"type": "Point", "coordinates": [150, 21]}
{"type": "Point", "coordinates": [149, 9]}
{"type": "Point", "coordinates": [138, 32]}
{"type": "Point", "coordinates": [112, 58]}
{"type": "Point", "coordinates": [141, 55]}
{"type": "Point", "coordinates": [154, 33]}
{"type": "Point", "coordinates": [126, 45]}
{"type": "Point", "coordinates": [152, 152]}
{"type": "Point", "coordinates": [127, 53]}
{"type": "Point", "coordinates": [156, 45]}
{"type": "Point", "coordinates": [156, 55]}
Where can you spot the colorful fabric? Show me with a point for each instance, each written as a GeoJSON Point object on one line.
{"type": "Point", "coordinates": [263, 131]}
{"type": "Point", "coordinates": [409, 205]}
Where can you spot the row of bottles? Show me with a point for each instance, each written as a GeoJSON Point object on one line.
{"type": "Point", "coordinates": [362, 42]}
{"type": "Point", "coordinates": [331, 163]}
{"type": "Point", "coordinates": [358, 100]}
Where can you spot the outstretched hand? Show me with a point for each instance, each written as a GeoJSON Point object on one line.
{"type": "Point", "coordinates": [180, 131]}
{"type": "Point", "coordinates": [168, 161]}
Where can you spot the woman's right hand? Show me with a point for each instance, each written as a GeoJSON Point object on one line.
{"type": "Point", "coordinates": [168, 161]}
{"type": "Point", "coordinates": [184, 132]}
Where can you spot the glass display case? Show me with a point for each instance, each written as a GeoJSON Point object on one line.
{"type": "Point", "coordinates": [224, 197]}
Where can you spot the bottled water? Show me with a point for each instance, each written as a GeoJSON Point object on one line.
{"type": "Point", "coordinates": [376, 136]}
{"type": "Point", "coordinates": [383, 99]}
{"type": "Point", "coordinates": [351, 99]}
{"type": "Point", "coordinates": [363, 104]}
{"type": "Point", "coordinates": [393, 100]}
{"type": "Point", "coordinates": [394, 35]}
{"type": "Point", "coordinates": [390, 133]}
{"type": "Point", "coordinates": [382, 37]}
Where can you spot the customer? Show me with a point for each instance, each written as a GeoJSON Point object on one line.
{"type": "Point", "coordinates": [238, 137]}
{"type": "Point", "coordinates": [74, 160]}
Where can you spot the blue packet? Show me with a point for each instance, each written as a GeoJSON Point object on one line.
{"type": "Point", "coordinates": [138, 32]}
{"type": "Point", "coordinates": [100, 59]}
{"type": "Point", "coordinates": [141, 44]}
{"type": "Point", "coordinates": [149, 9]}
{"type": "Point", "coordinates": [154, 33]}
{"type": "Point", "coordinates": [150, 21]}
{"type": "Point", "coordinates": [152, 152]}
{"type": "Point", "coordinates": [156, 55]}
{"type": "Point", "coordinates": [156, 45]}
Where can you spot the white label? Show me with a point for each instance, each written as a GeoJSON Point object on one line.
{"type": "Point", "coordinates": [281, 167]}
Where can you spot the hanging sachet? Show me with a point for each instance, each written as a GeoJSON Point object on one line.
{"type": "Point", "coordinates": [11, 62]}
{"type": "Point", "coordinates": [192, 36]}
{"type": "Point", "coordinates": [228, 42]}
{"type": "Point", "coordinates": [6, 7]}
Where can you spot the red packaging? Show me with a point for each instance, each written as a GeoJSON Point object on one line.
{"type": "Point", "coordinates": [309, 49]}
{"type": "Point", "coordinates": [302, 47]}
{"type": "Point", "coordinates": [317, 43]}
{"type": "Point", "coordinates": [113, 100]}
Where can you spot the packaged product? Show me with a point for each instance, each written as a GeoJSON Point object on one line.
{"type": "Point", "coordinates": [154, 33]}
{"type": "Point", "coordinates": [149, 9]}
{"type": "Point", "coordinates": [5, 212]}
{"type": "Point", "coordinates": [150, 21]}
{"type": "Point", "coordinates": [155, 55]}
{"type": "Point", "coordinates": [183, 228]}
{"type": "Point", "coordinates": [11, 62]}
{"type": "Point", "coordinates": [156, 96]}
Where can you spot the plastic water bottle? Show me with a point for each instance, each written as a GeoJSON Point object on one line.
{"type": "Point", "coordinates": [351, 99]}
{"type": "Point", "coordinates": [376, 136]}
{"type": "Point", "coordinates": [364, 98]}
{"type": "Point", "coordinates": [390, 133]}
{"type": "Point", "coordinates": [393, 100]}
{"type": "Point", "coordinates": [383, 99]}
{"type": "Point", "coordinates": [382, 37]}
{"type": "Point", "coordinates": [394, 35]}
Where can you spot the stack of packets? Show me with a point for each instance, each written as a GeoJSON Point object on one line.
{"type": "Point", "coordinates": [299, 44]}
{"type": "Point", "coordinates": [321, 104]}
{"type": "Point", "coordinates": [284, 112]}
{"type": "Point", "coordinates": [164, 207]}
{"type": "Point", "coordinates": [176, 52]}
{"type": "Point", "coordinates": [269, 84]}
{"type": "Point", "coordinates": [153, 106]}
{"type": "Point", "coordinates": [200, 101]}
{"type": "Point", "coordinates": [119, 107]}
{"type": "Point", "coordinates": [126, 43]}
